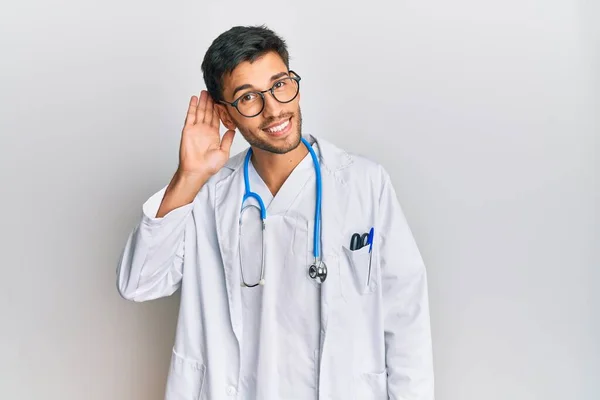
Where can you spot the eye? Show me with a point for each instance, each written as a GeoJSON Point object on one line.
{"type": "Point", "coordinates": [280, 84]}
{"type": "Point", "coordinates": [248, 97]}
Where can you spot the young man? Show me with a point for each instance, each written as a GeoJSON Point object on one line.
{"type": "Point", "coordinates": [325, 299]}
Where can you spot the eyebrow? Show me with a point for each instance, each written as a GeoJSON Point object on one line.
{"type": "Point", "coordinates": [249, 86]}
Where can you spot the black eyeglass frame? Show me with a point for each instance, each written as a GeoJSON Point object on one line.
{"type": "Point", "coordinates": [234, 103]}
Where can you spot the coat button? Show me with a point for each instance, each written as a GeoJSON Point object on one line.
{"type": "Point", "coordinates": [231, 390]}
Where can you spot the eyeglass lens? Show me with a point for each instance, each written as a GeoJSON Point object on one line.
{"type": "Point", "coordinates": [252, 103]}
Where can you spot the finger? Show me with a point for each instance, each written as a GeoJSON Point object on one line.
{"type": "Point", "coordinates": [227, 140]}
{"type": "Point", "coordinates": [208, 113]}
{"type": "Point", "coordinates": [201, 106]}
{"type": "Point", "coordinates": [190, 118]}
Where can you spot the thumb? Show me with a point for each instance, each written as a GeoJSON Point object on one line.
{"type": "Point", "coordinates": [227, 140]}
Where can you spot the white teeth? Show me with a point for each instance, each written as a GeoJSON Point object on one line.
{"type": "Point", "coordinates": [279, 127]}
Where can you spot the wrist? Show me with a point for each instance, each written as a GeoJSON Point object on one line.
{"type": "Point", "coordinates": [182, 190]}
{"type": "Point", "coordinates": [186, 186]}
{"type": "Point", "coordinates": [183, 179]}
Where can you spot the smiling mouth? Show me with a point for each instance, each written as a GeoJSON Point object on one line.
{"type": "Point", "coordinates": [282, 126]}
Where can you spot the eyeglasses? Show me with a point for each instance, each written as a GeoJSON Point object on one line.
{"type": "Point", "coordinates": [251, 104]}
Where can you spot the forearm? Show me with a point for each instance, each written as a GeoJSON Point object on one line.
{"type": "Point", "coordinates": [181, 191]}
{"type": "Point", "coordinates": [409, 357]}
{"type": "Point", "coordinates": [152, 260]}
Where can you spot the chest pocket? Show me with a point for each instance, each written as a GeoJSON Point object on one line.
{"type": "Point", "coordinates": [359, 262]}
{"type": "Point", "coordinates": [362, 267]}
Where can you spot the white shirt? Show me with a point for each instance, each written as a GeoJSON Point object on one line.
{"type": "Point", "coordinates": [282, 318]}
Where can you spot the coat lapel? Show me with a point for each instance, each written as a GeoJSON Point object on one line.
{"type": "Point", "coordinates": [229, 193]}
{"type": "Point", "coordinates": [333, 212]}
{"type": "Point", "coordinates": [334, 205]}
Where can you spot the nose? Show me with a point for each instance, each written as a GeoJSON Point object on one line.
{"type": "Point", "coordinates": [272, 106]}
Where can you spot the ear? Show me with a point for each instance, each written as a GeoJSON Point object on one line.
{"type": "Point", "coordinates": [225, 116]}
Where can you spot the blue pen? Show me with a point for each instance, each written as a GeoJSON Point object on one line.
{"type": "Point", "coordinates": [370, 241]}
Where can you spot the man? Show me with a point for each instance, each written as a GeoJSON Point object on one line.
{"type": "Point", "coordinates": [255, 322]}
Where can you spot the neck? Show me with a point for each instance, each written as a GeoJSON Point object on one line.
{"type": "Point", "coordinates": [274, 169]}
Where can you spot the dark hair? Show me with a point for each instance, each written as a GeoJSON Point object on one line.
{"type": "Point", "coordinates": [231, 48]}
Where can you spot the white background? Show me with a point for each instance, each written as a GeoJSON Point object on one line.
{"type": "Point", "coordinates": [486, 113]}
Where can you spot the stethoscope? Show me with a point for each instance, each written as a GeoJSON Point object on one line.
{"type": "Point", "coordinates": [318, 269]}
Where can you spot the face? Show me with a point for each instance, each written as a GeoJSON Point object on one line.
{"type": "Point", "coordinates": [277, 129]}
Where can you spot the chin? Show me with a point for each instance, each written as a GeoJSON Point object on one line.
{"type": "Point", "coordinates": [290, 143]}
{"type": "Point", "coordinates": [277, 145]}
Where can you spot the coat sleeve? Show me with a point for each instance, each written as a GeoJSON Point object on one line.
{"type": "Point", "coordinates": [408, 347]}
{"type": "Point", "coordinates": [151, 263]}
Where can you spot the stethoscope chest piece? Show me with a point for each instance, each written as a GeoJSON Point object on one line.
{"type": "Point", "coordinates": [318, 271]}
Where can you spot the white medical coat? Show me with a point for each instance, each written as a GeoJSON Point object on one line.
{"type": "Point", "coordinates": [375, 339]}
{"type": "Point", "coordinates": [281, 320]}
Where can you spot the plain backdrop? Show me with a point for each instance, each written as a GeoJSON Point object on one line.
{"type": "Point", "coordinates": [486, 113]}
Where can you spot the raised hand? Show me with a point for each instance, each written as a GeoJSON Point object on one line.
{"type": "Point", "coordinates": [202, 152]}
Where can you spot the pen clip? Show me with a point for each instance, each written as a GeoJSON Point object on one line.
{"type": "Point", "coordinates": [370, 239]}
